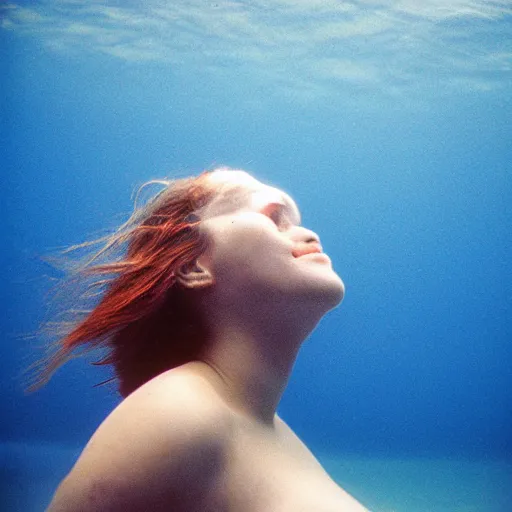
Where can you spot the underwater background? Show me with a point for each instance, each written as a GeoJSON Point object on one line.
{"type": "Point", "coordinates": [389, 123]}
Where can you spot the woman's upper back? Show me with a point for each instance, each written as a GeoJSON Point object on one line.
{"type": "Point", "coordinates": [160, 449]}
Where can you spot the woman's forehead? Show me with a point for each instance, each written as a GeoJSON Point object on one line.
{"type": "Point", "coordinates": [237, 189]}
{"type": "Point", "coordinates": [233, 185]}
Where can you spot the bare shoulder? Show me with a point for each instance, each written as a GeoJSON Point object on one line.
{"type": "Point", "coordinates": [289, 436]}
{"type": "Point", "coordinates": [294, 444]}
{"type": "Point", "coordinates": [163, 445]}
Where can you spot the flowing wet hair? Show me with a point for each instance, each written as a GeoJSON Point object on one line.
{"type": "Point", "coordinates": [140, 316]}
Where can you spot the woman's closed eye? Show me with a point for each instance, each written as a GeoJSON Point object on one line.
{"type": "Point", "coordinates": [277, 213]}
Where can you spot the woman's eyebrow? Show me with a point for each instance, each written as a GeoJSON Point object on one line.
{"type": "Point", "coordinates": [235, 195]}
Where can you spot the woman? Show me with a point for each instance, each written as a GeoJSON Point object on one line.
{"type": "Point", "coordinates": [203, 318]}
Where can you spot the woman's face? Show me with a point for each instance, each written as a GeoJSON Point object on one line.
{"type": "Point", "coordinates": [254, 231]}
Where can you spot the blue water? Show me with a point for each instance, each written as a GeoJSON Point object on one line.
{"type": "Point", "coordinates": [389, 124]}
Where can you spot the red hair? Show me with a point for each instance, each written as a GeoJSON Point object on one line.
{"type": "Point", "coordinates": [145, 321]}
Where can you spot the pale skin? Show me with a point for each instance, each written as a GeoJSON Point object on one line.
{"type": "Point", "coordinates": [205, 437]}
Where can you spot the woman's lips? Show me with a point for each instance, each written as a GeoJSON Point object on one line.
{"type": "Point", "coordinates": [306, 249]}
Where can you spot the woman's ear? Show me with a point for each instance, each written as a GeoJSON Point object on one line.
{"type": "Point", "coordinates": [194, 276]}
